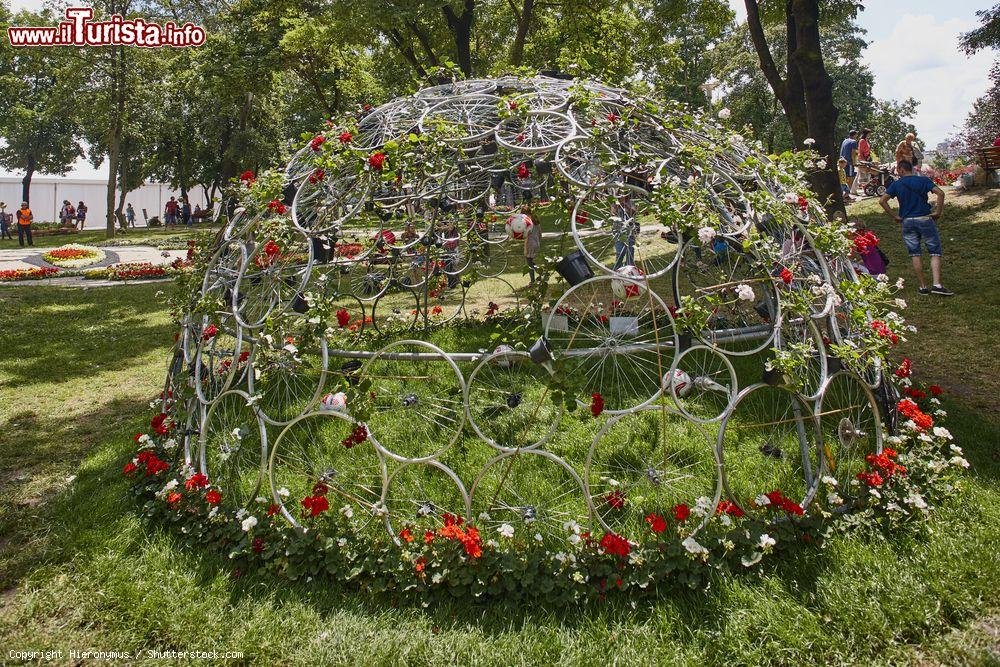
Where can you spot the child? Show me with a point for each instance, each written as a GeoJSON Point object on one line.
{"type": "Point", "coordinates": [845, 188]}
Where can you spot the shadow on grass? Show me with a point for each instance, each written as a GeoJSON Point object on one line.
{"type": "Point", "coordinates": [55, 328]}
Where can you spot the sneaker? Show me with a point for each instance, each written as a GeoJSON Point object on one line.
{"type": "Point", "coordinates": [941, 291]}
{"type": "Point", "coordinates": [923, 290]}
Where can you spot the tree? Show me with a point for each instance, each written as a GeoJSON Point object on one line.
{"type": "Point", "coordinates": [982, 126]}
{"type": "Point", "coordinates": [985, 36]}
{"type": "Point", "coordinates": [37, 87]}
{"type": "Point", "coordinates": [805, 90]}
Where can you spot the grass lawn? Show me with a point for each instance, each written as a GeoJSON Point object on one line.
{"type": "Point", "coordinates": [91, 236]}
{"type": "Point", "coordinates": [79, 571]}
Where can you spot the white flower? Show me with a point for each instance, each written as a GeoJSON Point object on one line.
{"type": "Point", "coordinates": [703, 506]}
{"type": "Point", "coordinates": [572, 527]}
{"type": "Point", "coordinates": [342, 542]}
{"type": "Point", "coordinates": [834, 498]}
{"type": "Point", "coordinates": [752, 559]}
{"type": "Point", "coordinates": [171, 485]}
{"type": "Point", "coordinates": [900, 303]}
{"type": "Point", "coordinates": [744, 292]}
{"type": "Point", "coordinates": [283, 492]}
{"type": "Point", "coordinates": [574, 539]}
{"type": "Point", "coordinates": [791, 198]}
{"type": "Point", "coordinates": [143, 439]}
{"type": "Point", "coordinates": [894, 507]}
{"type": "Point", "coordinates": [955, 449]}
{"type": "Point", "coordinates": [347, 511]}
{"type": "Point", "coordinates": [538, 537]}
{"type": "Point", "coordinates": [958, 462]}
{"type": "Point", "coordinates": [694, 548]}
{"type": "Point", "coordinates": [240, 514]}
{"type": "Point", "coordinates": [832, 481]}
{"type": "Point", "coordinates": [762, 500]}
{"type": "Point", "coordinates": [706, 234]}
{"type": "Point", "coordinates": [809, 164]}
{"type": "Point", "coordinates": [578, 577]}
{"type": "Point", "coordinates": [942, 432]}
{"type": "Point", "coordinates": [249, 523]}
{"type": "Point", "coordinates": [213, 512]}
{"type": "Point", "coordinates": [916, 500]}
{"type": "Point", "coordinates": [506, 530]}
{"type": "Point", "coordinates": [766, 543]}
{"type": "Point", "coordinates": [809, 141]}
{"type": "Point", "coordinates": [724, 114]}
{"type": "Point", "coordinates": [821, 164]}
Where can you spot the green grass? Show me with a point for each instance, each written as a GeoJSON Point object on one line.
{"type": "Point", "coordinates": [91, 236]}
{"type": "Point", "coordinates": [78, 570]}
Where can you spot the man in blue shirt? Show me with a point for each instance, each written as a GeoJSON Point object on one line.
{"type": "Point", "coordinates": [849, 151]}
{"type": "Point", "coordinates": [918, 222]}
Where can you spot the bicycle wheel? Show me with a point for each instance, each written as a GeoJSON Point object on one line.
{"type": "Point", "coordinates": [233, 448]}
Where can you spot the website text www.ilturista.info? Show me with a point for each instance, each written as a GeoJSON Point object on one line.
{"type": "Point", "coordinates": [79, 30]}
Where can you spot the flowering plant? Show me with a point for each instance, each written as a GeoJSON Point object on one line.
{"type": "Point", "coordinates": [74, 256]}
{"type": "Point", "coordinates": [11, 275]}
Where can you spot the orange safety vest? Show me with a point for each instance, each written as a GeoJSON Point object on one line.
{"type": "Point", "coordinates": [24, 216]}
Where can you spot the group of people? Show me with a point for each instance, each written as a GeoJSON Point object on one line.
{"type": "Point", "coordinates": [71, 216]}
{"type": "Point", "coordinates": [180, 211]}
{"type": "Point", "coordinates": [22, 219]}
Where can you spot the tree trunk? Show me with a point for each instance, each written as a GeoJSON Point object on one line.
{"type": "Point", "coordinates": [821, 113]}
{"type": "Point", "coordinates": [461, 30]}
{"type": "Point", "coordinates": [29, 171]}
{"type": "Point", "coordinates": [523, 25]}
{"type": "Point", "coordinates": [115, 133]}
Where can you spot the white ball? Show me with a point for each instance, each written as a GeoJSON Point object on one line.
{"type": "Point", "coordinates": [334, 402]}
{"type": "Point", "coordinates": [681, 383]}
{"type": "Point", "coordinates": [626, 289]}
{"type": "Point", "coordinates": [518, 225]}
{"type": "Point", "coordinates": [504, 361]}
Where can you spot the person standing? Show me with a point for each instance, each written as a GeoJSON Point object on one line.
{"type": "Point", "coordinates": [904, 151]}
{"type": "Point", "coordinates": [170, 212]}
{"type": "Point", "coordinates": [532, 243]}
{"type": "Point", "coordinates": [919, 222]}
{"type": "Point", "coordinates": [5, 220]}
{"type": "Point", "coordinates": [81, 215]}
{"type": "Point", "coordinates": [849, 152]}
{"type": "Point", "coordinates": [65, 218]}
{"type": "Point", "coordinates": [24, 220]}
{"type": "Point", "coordinates": [918, 154]}
{"type": "Point", "coordinates": [864, 155]}
{"type": "Point", "coordinates": [186, 212]}
{"type": "Point", "coordinates": [130, 216]}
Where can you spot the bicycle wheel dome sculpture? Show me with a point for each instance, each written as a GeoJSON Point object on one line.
{"type": "Point", "coordinates": [365, 331]}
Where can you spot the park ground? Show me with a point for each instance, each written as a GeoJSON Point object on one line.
{"type": "Point", "coordinates": [79, 571]}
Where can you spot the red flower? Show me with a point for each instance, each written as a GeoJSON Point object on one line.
{"type": "Point", "coordinates": [682, 512]}
{"type": "Point", "coordinates": [317, 176]}
{"type": "Point", "coordinates": [258, 545]}
{"type": "Point", "coordinates": [345, 137]}
{"type": "Point", "coordinates": [420, 564]}
{"type": "Point", "coordinates": [428, 536]}
{"type": "Point", "coordinates": [343, 318]}
{"type": "Point", "coordinates": [596, 404]}
{"type": "Point", "coordinates": [612, 117]}
{"type": "Point", "coordinates": [130, 468]}
{"type": "Point", "coordinates": [209, 332]}
{"type": "Point", "coordinates": [173, 498]}
{"type": "Point", "coordinates": [905, 368]}
{"type": "Point", "coordinates": [935, 390]}
{"type": "Point", "coordinates": [272, 509]}
{"type": "Point", "coordinates": [436, 310]}
{"type": "Point", "coordinates": [786, 275]}
{"type": "Point", "coordinates": [519, 138]}
{"type": "Point", "coordinates": [161, 424]}
{"type": "Point", "coordinates": [406, 535]}
{"type": "Point", "coordinates": [376, 161]}
{"type": "Point", "coordinates": [247, 177]}
{"type": "Point", "coordinates": [522, 171]}
{"type": "Point", "coordinates": [357, 436]}
{"type": "Point", "coordinates": [512, 106]}
{"type": "Point", "coordinates": [196, 481]}
{"type": "Point", "coordinates": [213, 497]}
{"type": "Point", "coordinates": [317, 143]}
{"type": "Point", "coordinates": [275, 206]}
{"type": "Point", "coordinates": [803, 204]}
{"type": "Point", "coordinates": [615, 500]}
{"type": "Point", "coordinates": [615, 545]}
{"type": "Point", "coordinates": [315, 505]}
{"type": "Point", "coordinates": [656, 523]}
{"type": "Point", "coordinates": [728, 507]}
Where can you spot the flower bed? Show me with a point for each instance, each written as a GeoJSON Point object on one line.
{"type": "Point", "coordinates": [27, 274]}
{"type": "Point", "coordinates": [137, 271]}
{"type": "Point", "coordinates": [74, 256]}
{"type": "Point", "coordinates": [898, 487]}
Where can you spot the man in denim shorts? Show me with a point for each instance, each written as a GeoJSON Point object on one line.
{"type": "Point", "coordinates": [918, 222]}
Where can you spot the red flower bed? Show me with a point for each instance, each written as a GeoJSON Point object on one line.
{"type": "Point", "coordinates": [27, 274]}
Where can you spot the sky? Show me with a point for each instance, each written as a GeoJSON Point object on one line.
{"type": "Point", "coordinates": [913, 53]}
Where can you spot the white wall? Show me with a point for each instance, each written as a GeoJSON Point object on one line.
{"type": "Point", "coordinates": [48, 193]}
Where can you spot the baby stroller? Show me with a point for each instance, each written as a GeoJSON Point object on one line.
{"type": "Point", "coordinates": [881, 177]}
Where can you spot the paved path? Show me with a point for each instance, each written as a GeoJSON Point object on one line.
{"type": "Point", "coordinates": [27, 258]}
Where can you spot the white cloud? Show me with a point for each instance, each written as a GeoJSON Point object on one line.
{"type": "Point", "coordinates": [920, 58]}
